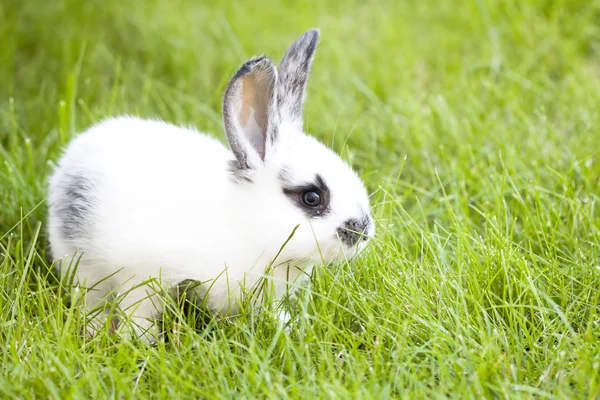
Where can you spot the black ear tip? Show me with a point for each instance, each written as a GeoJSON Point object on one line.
{"type": "Point", "coordinates": [256, 64]}
{"type": "Point", "coordinates": [261, 62]}
{"type": "Point", "coordinates": [314, 31]}
{"type": "Point", "coordinates": [307, 43]}
{"type": "Point", "coordinates": [312, 35]}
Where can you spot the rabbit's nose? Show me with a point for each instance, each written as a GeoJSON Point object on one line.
{"type": "Point", "coordinates": [353, 230]}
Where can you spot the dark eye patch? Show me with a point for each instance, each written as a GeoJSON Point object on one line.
{"type": "Point", "coordinates": [296, 193]}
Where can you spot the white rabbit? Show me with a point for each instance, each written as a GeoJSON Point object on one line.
{"type": "Point", "coordinates": [132, 199]}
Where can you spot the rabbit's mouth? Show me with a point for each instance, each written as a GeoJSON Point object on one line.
{"type": "Point", "coordinates": [347, 252]}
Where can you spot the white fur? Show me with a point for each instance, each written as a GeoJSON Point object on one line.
{"type": "Point", "coordinates": [167, 206]}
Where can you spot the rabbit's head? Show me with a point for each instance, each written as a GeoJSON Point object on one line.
{"type": "Point", "coordinates": [290, 179]}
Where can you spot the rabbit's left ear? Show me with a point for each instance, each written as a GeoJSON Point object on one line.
{"type": "Point", "coordinates": [250, 111]}
{"type": "Point", "coordinates": [293, 77]}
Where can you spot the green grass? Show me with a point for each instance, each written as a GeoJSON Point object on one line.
{"type": "Point", "coordinates": [475, 125]}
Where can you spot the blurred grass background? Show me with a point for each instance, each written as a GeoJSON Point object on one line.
{"type": "Point", "coordinates": [475, 125]}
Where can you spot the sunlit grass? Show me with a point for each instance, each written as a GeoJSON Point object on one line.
{"type": "Point", "coordinates": [474, 126]}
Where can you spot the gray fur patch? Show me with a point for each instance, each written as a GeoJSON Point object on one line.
{"type": "Point", "coordinates": [238, 173]}
{"type": "Point", "coordinates": [293, 76]}
{"type": "Point", "coordinates": [77, 199]}
{"type": "Point", "coordinates": [285, 176]}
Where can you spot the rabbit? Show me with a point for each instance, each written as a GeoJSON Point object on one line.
{"type": "Point", "coordinates": [132, 199]}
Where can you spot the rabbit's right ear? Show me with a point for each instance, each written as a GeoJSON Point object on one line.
{"type": "Point", "coordinates": [250, 111]}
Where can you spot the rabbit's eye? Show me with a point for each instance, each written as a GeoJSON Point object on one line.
{"type": "Point", "coordinates": [311, 198]}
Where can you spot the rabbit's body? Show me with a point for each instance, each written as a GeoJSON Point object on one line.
{"type": "Point", "coordinates": [136, 199]}
{"type": "Point", "coordinates": [161, 224]}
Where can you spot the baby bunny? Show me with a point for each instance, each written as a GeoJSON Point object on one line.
{"type": "Point", "coordinates": [135, 199]}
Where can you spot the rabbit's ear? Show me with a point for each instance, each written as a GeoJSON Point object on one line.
{"type": "Point", "coordinates": [250, 113]}
{"type": "Point", "coordinates": [293, 76]}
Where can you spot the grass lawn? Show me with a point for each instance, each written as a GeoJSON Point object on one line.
{"type": "Point", "coordinates": [475, 126]}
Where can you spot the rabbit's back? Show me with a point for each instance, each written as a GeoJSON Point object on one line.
{"type": "Point", "coordinates": [128, 183]}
